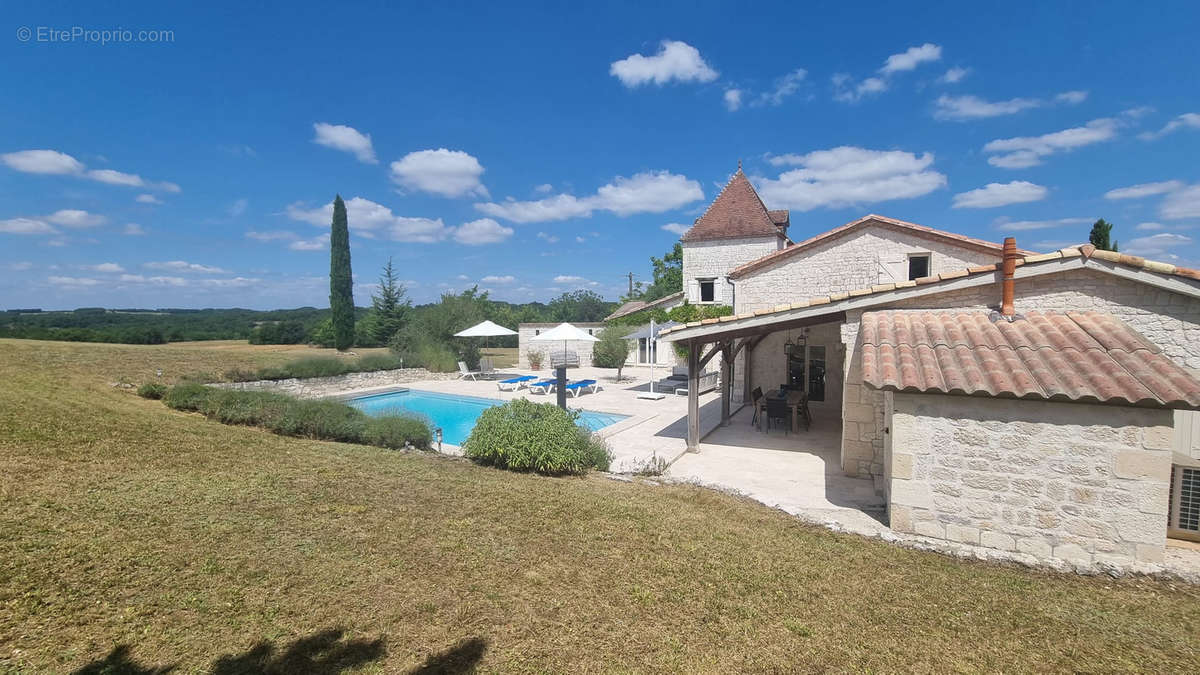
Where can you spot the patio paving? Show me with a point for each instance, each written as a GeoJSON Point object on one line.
{"type": "Point", "coordinates": [798, 473]}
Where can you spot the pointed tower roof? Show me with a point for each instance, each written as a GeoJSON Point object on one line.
{"type": "Point", "coordinates": [736, 212]}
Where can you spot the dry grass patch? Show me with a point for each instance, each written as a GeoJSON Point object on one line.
{"type": "Point", "coordinates": [124, 523]}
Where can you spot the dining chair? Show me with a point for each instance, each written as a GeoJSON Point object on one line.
{"type": "Point", "coordinates": [778, 410]}
{"type": "Point", "coordinates": [756, 399]}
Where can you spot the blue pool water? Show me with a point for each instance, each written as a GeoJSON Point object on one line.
{"type": "Point", "coordinates": [456, 415]}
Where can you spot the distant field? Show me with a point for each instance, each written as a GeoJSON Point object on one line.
{"type": "Point", "coordinates": [152, 538]}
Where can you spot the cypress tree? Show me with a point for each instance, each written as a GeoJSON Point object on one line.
{"type": "Point", "coordinates": [341, 281]}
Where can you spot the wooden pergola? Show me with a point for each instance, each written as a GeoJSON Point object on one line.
{"type": "Point", "coordinates": [727, 339]}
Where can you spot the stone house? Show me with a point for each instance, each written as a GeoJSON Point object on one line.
{"type": "Point", "coordinates": [1044, 404]}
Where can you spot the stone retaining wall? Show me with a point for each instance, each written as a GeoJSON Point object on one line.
{"type": "Point", "coordinates": [320, 387]}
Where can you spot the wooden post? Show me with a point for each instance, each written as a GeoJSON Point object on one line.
{"type": "Point", "coordinates": [693, 414]}
{"type": "Point", "coordinates": [560, 386]}
{"type": "Point", "coordinates": [747, 378]}
{"type": "Point", "coordinates": [726, 385]}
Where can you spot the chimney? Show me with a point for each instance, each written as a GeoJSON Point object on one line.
{"type": "Point", "coordinates": [1008, 266]}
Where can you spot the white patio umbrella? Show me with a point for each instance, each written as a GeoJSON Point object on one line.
{"type": "Point", "coordinates": [565, 332]}
{"type": "Point", "coordinates": [485, 330]}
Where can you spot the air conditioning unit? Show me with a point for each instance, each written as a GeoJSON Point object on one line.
{"type": "Point", "coordinates": [1184, 511]}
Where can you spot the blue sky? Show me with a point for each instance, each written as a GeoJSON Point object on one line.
{"type": "Point", "coordinates": [534, 150]}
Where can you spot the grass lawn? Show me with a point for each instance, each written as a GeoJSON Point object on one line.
{"type": "Point", "coordinates": [210, 547]}
{"type": "Point", "coordinates": [502, 357]}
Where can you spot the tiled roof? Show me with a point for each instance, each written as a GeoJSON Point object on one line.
{"type": "Point", "coordinates": [637, 305]}
{"type": "Point", "coordinates": [911, 228]}
{"type": "Point", "coordinates": [736, 212]}
{"type": "Point", "coordinates": [1087, 357]}
{"type": "Point", "coordinates": [1084, 252]}
{"type": "Point", "coordinates": [780, 217]}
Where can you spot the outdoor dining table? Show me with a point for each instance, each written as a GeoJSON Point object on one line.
{"type": "Point", "coordinates": [798, 403]}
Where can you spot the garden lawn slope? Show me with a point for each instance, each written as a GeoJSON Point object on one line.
{"type": "Point", "coordinates": [125, 523]}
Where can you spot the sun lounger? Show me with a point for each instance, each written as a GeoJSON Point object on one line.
{"type": "Point", "coordinates": [575, 388]}
{"type": "Point", "coordinates": [464, 372]}
{"type": "Point", "coordinates": [515, 383]}
{"type": "Point", "coordinates": [708, 382]}
{"type": "Point", "coordinates": [542, 386]}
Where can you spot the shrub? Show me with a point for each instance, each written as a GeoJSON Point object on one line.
{"type": "Point", "coordinates": [311, 366]}
{"type": "Point", "coordinates": [373, 362]}
{"type": "Point", "coordinates": [326, 420]}
{"type": "Point", "coordinates": [241, 375]}
{"type": "Point", "coordinates": [395, 432]}
{"type": "Point", "coordinates": [526, 436]}
{"type": "Point", "coordinates": [535, 358]}
{"type": "Point", "coordinates": [187, 396]}
{"type": "Point", "coordinates": [255, 408]}
{"type": "Point", "coordinates": [200, 377]}
{"type": "Point", "coordinates": [437, 358]}
{"type": "Point", "coordinates": [152, 390]}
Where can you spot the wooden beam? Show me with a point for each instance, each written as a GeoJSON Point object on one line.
{"type": "Point", "coordinates": [693, 414]}
{"type": "Point", "coordinates": [716, 349]}
{"type": "Point", "coordinates": [726, 385]}
{"type": "Point", "coordinates": [747, 369]}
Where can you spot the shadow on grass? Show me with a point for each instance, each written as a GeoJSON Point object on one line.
{"type": "Point", "coordinates": [321, 652]}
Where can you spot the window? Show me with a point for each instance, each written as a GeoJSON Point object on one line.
{"type": "Point", "coordinates": [708, 290]}
{"type": "Point", "coordinates": [918, 266]}
{"type": "Point", "coordinates": [537, 332]}
{"type": "Point", "coordinates": [806, 371]}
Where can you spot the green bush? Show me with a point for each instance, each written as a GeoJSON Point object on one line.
{"type": "Point", "coordinates": [152, 390]}
{"type": "Point", "coordinates": [325, 420]}
{"type": "Point", "coordinates": [525, 436]}
{"type": "Point", "coordinates": [254, 408]}
{"type": "Point", "coordinates": [187, 396]}
{"type": "Point", "coordinates": [373, 362]}
{"type": "Point", "coordinates": [395, 432]}
{"type": "Point", "coordinates": [310, 366]}
{"type": "Point", "coordinates": [241, 375]}
{"type": "Point", "coordinates": [200, 377]}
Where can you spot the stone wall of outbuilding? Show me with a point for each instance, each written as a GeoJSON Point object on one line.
{"type": "Point", "coordinates": [1081, 483]}
{"type": "Point", "coordinates": [525, 343]}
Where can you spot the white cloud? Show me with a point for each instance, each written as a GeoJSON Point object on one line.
{"type": "Point", "coordinates": [543, 188]}
{"type": "Point", "coordinates": [1156, 245]}
{"type": "Point", "coordinates": [75, 218]}
{"type": "Point", "coordinates": [482, 231]}
{"type": "Point", "coordinates": [370, 219]}
{"type": "Point", "coordinates": [72, 282]}
{"type": "Point", "coordinates": [26, 226]}
{"type": "Point", "coordinates": [152, 281]}
{"type": "Point", "coordinates": [1144, 190]}
{"type": "Point", "coordinates": [1026, 225]}
{"type": "Point", "coordinates": [238, 207]}
{"type": "Point", "coordinates": [846, 91]}
{"type": "Point", "coordinates": [449, 173]}
{"type": "Point", "coordinates": [108, 268]}
{"type": "Point", "coordinates": [785, 86]}
{"type": "Point", "coordinates": [549, 238]}
{"type": "Point", "coordinates": [49, 162]}
{"type": "Point", "coordinates": [954, 75]}
{"type": "Point", "coordinates": [848, 176]}
{"type": "Point", "coordinates": [133, 230]}
{"type": "Point", "coordinates": [1024, 151]}
{"type": "Point", "coordinates": [1054, 244]}
{"type": "Point", "coordinates": [675, 60]}
{"type": "Point", "coordinates": [676, 228]}
{"type": "Point", "coordinates": [1072, 97]}
{"type": "Point", "coordinates": [580, 240]}
{"type": "Point", "coordinates": [1183, 203]}
{"type": "Point", "coordinates": [346, 139]}
{"type": "Point", "coordinates": [1000, 194]}
{"type": "Point", "coordinates": [1150, 227]}
{"type": "Point", "coordinates": [183, 266]}
{"type": "Point", "coordinates": [911, 58]}
{"type": "Point", "coordinates": [1184, 121]}
{"type": "Point", "coordinates": [19, 266]}
{"type": "Point", "coordinates": [273, 235]}
{"type": "Point", "coordinates": [147, 199]}
{"type": "Point", "coordinates": [972, 107]}
{"type": "Point", "coordinates": [570, 279]}
{"type": "Point", "coordinates": [649, 192]}
{"type": "Point", "coordinates": [53, 162]}
{"type": "Point", "coordinates": [316, 244]}
{"type": "Point", "coordinates": [493, 279]}
{"type": "Point", "coordinates": [733, 99]}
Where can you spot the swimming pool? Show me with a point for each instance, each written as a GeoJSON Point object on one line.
{"type": "Point", "coordinates": [456, 415]}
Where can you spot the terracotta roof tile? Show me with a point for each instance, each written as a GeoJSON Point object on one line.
{"type": "Point", "coordinates": [634, 306]}
{"type": "Point", "coordinates": [1078, 356]}
{"type": "Point", "coordinates": [1085, 251]}
{"type": "Point", "coordinates": [736, 212]}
